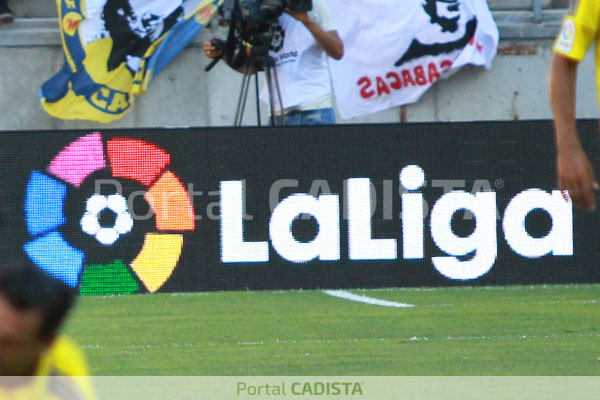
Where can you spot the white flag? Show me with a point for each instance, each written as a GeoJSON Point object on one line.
{"type": "Point", "coordinates": [397, 49]}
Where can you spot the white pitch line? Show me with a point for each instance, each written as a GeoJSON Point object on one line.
{"type": "Point", "coordinates": [342, 294]}
{"type": "Point", "coordinates": [349, 340]}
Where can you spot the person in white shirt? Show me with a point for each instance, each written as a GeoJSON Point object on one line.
{"type": "Point", "coordinates": [300, 47]}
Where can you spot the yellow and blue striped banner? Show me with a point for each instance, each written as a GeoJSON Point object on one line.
{"type": "Point", "coordinates": [113, 49]}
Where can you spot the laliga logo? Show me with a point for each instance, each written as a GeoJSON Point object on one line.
{"type": "Point", "coordinates": [482, 244]}
{"type": "Point", "coordinates": [53, 221]}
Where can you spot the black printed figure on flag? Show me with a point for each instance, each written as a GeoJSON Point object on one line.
{"type": "Point", "coordinates": [396, 50]}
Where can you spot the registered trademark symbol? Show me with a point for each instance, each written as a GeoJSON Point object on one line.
{"type": "Point", "coordinates": [499, 183]}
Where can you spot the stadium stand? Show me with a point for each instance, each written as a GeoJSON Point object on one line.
{"type": "Point", "coordinates": [528, 19]}
{"type": "Point", "coordinates": [527, 30]}
{"type": "Point", "coordinates": [516, 19]}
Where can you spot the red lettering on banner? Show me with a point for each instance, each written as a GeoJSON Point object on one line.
{"type": "Point", "coordinates": [479, 46]}
{"type": "Point", "coordinates": [365, 92]}
{"type": "Point", "coordinates": [446, 64]}
{"type": "Point", "coordinates": [420, 76]}
{"type": "Point", "coordinates": [382, 87]}
{"type": "Point", "coordinates": [395, 80]}
{"type": "Point", "coordinates": [407, 77]}
{"type": "Point", "coordinates": [433, 73]}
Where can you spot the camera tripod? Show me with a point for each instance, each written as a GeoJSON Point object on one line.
{"type": "Point", "coordinates": [253, 65]}
{"type": "Point", "coordinates": [236, 46]}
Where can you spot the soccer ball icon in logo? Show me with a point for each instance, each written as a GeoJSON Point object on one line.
{"type": "Point", "coordinates": [127, 159]}
{"type": "Point", "coordinates": [90, 223]}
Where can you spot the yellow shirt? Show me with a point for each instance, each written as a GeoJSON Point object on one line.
{"type": "Point", "coordinates": [62, 374]}
{"type": "Point", "coordinates": [580, 29]}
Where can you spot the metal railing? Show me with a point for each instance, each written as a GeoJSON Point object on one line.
{"type": "Point", "coordinates": [533, 11]}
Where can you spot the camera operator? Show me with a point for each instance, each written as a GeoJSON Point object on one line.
{"type": "Point", "coordinates": [300, 46]}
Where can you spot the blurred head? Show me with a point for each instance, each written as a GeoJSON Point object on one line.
{"type": "Point", "coordinates": [33, 305]}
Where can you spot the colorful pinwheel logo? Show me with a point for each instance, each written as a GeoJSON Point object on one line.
{"type": "Point", "coordinates": [107, 219]}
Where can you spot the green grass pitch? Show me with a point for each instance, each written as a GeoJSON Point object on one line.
{"type": "Point", "coordinates": [513, 330]}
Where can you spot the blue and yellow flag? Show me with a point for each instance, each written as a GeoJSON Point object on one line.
{"type": "Point", "coordinates": [113, 49]}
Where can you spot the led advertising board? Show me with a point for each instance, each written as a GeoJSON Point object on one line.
{"type": "Point", "coordinates": [128, 211]}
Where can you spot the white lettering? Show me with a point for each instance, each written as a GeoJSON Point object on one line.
{"type": "Point", "coordinates": [233, 247]}
{"type": "Point", "coordinates": [559, 240]}
{"type": "Point", "coordinates": [412, 177]}
{"type": "Point", "coordinates": [325, 246]}
{"type": "Point", "coordinates": [483, 240]}
{"type": "Point", "coordinates": [361, 244]}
